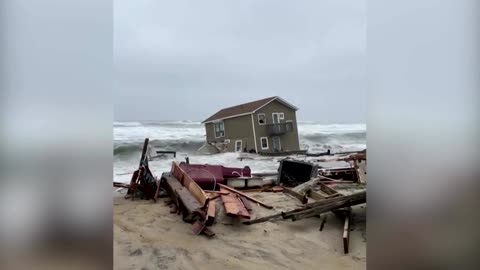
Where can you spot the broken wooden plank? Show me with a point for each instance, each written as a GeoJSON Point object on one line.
{"type": "Point", "coordinates": [324, 220]}
{"type": "Point", "coordinates": [184, 200]}
{"type": "Point", "coordinates": [262, 219]}
{"type": "Point", "coordinates": [358, 195]}
{"type": "Point", "coordinates": [188, 182]}
{"type": "Point", "coordinates": [210, 213]}
{"type": "Point", "coordinates": [233, 205]}
{"type": "Point", "coordinates": [216, 192]}
{"type": "Point", "coordinates": [326, 208]}
{"type": "Point", "coordinates": [306, 185]}
{"type": "Point", "coordinates": [213, 197]}
{"type": "Point", "coordinates": [245, 202]}
{"type": "Point", "coordinates": [245, 195]}
{"type": "Point", "coordinates": [326, 189]}
{"type": "Point", "coordinates": [301, 197]}
{"type": "Point", "coordinates": [144, 151]}
{"type": "Point", "coordinates": [198, 227]}
{"type": "Point", "coordinates": [315, 195]}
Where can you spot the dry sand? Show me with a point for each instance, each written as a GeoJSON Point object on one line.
{"type": "Point", "coordinates": [147, 236]}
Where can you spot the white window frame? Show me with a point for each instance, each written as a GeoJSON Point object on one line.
{"type": "Point", "coordinates": [261, 144]}
{"type": "Point", "coordinates": [241, 145]}
{"type": "Point", "coordinates": [279, 142]}
{"type": "Point", "coordinates": [273, 117]}
{"type": "Point", "coordinates": [215, 131]}
{"type": "Point", "coordinates": [281, 116]}
{"type": "Point", "coordinates": [289, 121]}
{"type": "Point", "coordinates": [264, 119]}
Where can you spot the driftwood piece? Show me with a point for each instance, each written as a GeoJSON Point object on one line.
{"type": "Point", "coordinates": [245, 195]}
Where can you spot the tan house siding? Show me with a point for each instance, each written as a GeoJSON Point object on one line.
{"type": "Point", "coordinates": [238, 128]}
{"type": "Point", "coordinates": [289, 140]}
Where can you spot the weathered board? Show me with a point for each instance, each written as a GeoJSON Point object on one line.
{"type": "Point", "coordinates": [233, 205]}
{"type": "Point", "coordinates": [227, 188]}
{"type": "Point", "coordinates": [211, 209]}
{"type": "Point", "coordinates": [188, 182]}
{"type": "Point", "coordinates": [181, 196]}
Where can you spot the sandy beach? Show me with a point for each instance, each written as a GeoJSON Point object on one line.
{"type": "Point", "coordinates": [148, 236]}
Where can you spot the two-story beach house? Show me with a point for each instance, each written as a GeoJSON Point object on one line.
{"type": "Point", "coordinates": [264, 126]}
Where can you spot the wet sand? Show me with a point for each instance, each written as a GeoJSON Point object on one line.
{"type": "Point", "coordinates": [148, 236]}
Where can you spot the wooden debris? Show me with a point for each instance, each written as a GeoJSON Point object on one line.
{"type": "Point", "coordinates": [188, 182]}
{"type": "Point", "coordinates": [227, 188]}
{"type": "Point", "coordinates": [184, 200]}
{"type": "Point", "coordinates": [315, 195]}
{"type": "Point", "coordinates": [324, 220]}
{"type": "Point", "coordinates": [245, 202]}
{"type": "Point", "coordinates": [121, 185]}
{"type": "Point", "coordinates": [216, 192]}
{"type": "Point", "coordinates": [277, 189]}
{"type": "Point", "coordinates": [198, 227]}
{"type": "Point", "coordinates": [301, 197]}
{"type": "Point", "coordinates": [233, 205]}
{"type": "Point", "coordinates": [210, 213]}
{"type": "Point", "coordinates": [327, 205]}
{"type": "Point", "coordinates": [306, 185]}
{"type": "Point", "coordinates": [263, 219]}
{"type": "Point", "coordinates": [346, 232]}
{"type": "Point", "coordinates": [206, 231]}
{"type": "Point", "coordinates": [328, 190]}
{"type": "Point", "coordinates": [213, 197]}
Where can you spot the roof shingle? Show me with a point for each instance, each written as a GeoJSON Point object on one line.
{"type": "Point", "coordinates": [239, 109]}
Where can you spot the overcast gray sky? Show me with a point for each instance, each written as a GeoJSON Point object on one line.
{"type": "Point", "coordinates": [185, 60]}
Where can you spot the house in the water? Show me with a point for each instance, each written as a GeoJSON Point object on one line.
{"type": "Point", "coordinates": [264, 126]}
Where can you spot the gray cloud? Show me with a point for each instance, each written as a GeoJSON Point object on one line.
{"type": "Point", "coordinates": [187, 59]}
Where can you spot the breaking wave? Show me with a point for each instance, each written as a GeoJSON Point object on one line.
{"type": "Point", "coordinates": [135, 148]}
{"type": "Point", "coordinates": [328, 137]}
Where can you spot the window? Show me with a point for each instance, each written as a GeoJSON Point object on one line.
{"type": "Point", "coordinates": [264, 142]}
{"type": "Point", "coordinates": [281, 116]}
{"type": "Point", "coordinates": [227, 141]}
{"type": "Point", "coordinates": [219, 130]}
{"type": "Point", "coordinates": [261, 119]}
{"type": "Point", "coordinates": [289, 125]}
{"type": "Point", "coordinates": [238, 146]}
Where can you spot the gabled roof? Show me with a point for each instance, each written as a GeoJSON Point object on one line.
{"type": "Point", "coordinates": [244, 109]}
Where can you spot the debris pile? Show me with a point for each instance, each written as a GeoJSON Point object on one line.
{"type": "Point", "coordinates": [195, 189]}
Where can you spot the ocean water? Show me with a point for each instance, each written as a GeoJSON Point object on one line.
{"type": "Point", "coordinates": [186, 137]}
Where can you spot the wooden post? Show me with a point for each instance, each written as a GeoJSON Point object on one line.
{"type": "Point", "coordinates": [144, 151]}
{"type": "Point", "coordinates": [346, 232]}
